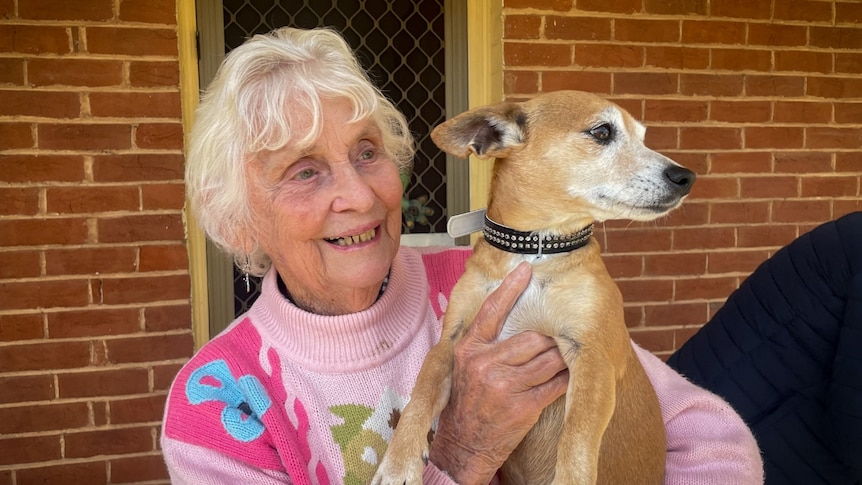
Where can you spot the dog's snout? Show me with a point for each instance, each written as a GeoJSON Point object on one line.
{"type": "Point", "coordinates": [681, 177]}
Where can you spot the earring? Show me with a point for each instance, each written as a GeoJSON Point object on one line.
{"type": "Point", "coordinates": [245, 269]}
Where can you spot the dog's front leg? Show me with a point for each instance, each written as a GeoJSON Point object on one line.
{"type": "Point", "coordinates": [590, 402]}
{"type": "Point", "coordinates": [407, 453]}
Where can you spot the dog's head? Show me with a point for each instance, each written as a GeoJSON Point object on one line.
{"type": "Point", "coordinates": [566, 155]}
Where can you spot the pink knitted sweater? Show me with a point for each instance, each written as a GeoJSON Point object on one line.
{"type": "Point", "coordinates": [285, 396]}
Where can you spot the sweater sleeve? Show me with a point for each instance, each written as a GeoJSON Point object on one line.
{"type": "Point", "coordinates": [195, 465]}
{"type": "Point", "coordinates": [707, 441]}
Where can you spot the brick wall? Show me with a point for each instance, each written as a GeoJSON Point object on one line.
{"type": "Point", "coordinates": [94, 286]}
{"type": "Point", "coordinates": [762, 99]}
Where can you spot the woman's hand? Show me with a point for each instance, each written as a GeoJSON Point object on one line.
{"type": "Point", "coordinates": [499, 389]}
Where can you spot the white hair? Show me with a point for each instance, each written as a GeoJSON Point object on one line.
{"type": "Point", "coordinates": [263, 97]}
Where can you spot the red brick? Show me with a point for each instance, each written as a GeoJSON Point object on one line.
{"type": "Point", "coordinates": [16, 327]}
{"type": "Point", "coordinates": [521, 26]}
{"type": "Point", "coordinates": [682, 110]}
{"type": "Point", "coordinates": [610, 55]}
{"type": "Point", "coordinates": [41, 168]}
{"type": "Point", "coordinates": [646, 290]}
{"type": "Point", "coordinates": [149, 11]}
{"type": "Point", "coordinates": [81, 472]}
{"type": "Point", "coordinates": [740, 111]}
{"type": "Point", "coordinates": [645, 83]}
{"type": "Point", "coordinates": [669, 264]}
{"type": "Point", "coordinates": [12, 71]}
{"type": "Point", "coordinates": [710, 138]}
{"type": "Point", "coordinates": [766, 235]}
{"type": "Point", "coordinates": [848, 62]}
{"type": "Point", "coordinates": [536, 54]}
{"type": "Point", "coordinates": [15, 135]}
{"type": "Point", "coordinates": [34, 39]}
{"type": "Point", "coordinates": [577, 28]}
{"type": "Point", "coordinates": [662, 138]}
{"type": "Point", "coordinates": [74, 72]}
{"type": "Point", "coordinates": [94, 260]}
{"type": "Point", "coordinates": [7, 11]}
{"type": "Point", "coordinates": [677, 7]}
{"type": "Point", "coordinates": [806, 112]}
{"type": "Point", "coordinates": [746, 212]}
{"type": "Point", "coordinates": [711, 84]}
{"type": "Point", "coordinates": [818, 137]}
{"type": "Point", "coordinates": [154, 74]}
{"type": "Point", "coordinates": [703, 238]}
{"type": "Point", "coordinates": [44, 356]}
{"type": "Point", "coordinates": [846, 206]}
{"type": "Point", "coordinates": [108, 442]}
{"type": "Point", "coordinates": [654, 340]}
{"type": "Point", "coordinates": [772, 34]}
{"type": "Point", "coordinates": [31, 232]}
{"type": "Point", "coordinates": [164, 258]}
{"type": "Point", "coordinates": [32, 449]}
{"type": "Point", "coordinates": [143, 289]}
{"type": "Point", "coordinates": [136, 105]}
{"type": "Point", "coordinates": [741, 9]}
{"type": "Point", "coordinates": [804, 10]}
{"type": "Point", "coordinates": [47, 104]}
{"type": "Point", "coordinates": [90, 137]}
{"type": "Point", "coordinates": [138, 468]}
{"type": "Point", "coordinates": [26, 388]}
{"type": "Point", "coordinates": [158, 227]}
{"type": "Point", "coordinates": [848, 12]}
{"type": "Point", "coordinates": [803, 162]}
{"type": "Point", "coordinates": [163, 376]}
{"type": "Point", "coordinates": [833, 87]}
{"type": "Point", "coordinates": [132, 41]}
{"type": "Point", "coordinates": [146, 409]}
{"type": "Point", "coordinates": [618, 6]}
{"type": "Point", "coordinates": [674, 57]}
{"type": "Point", "coordinates": [848, 162]}
{"type": "Point", "coordinates": [45, 417]}
{"type": "Point", "coordinates": [804, 61]}
{"type": "Point", "coordinates": [92, 10]}
{"type": "Point", "coordinates": [802, 210]}
{"type": "Point", "coordinates": [745, 162]}
{"type": "Point", "coordinates": [774, 86]}
{"type": "Point", "coordinates": [596, 82]}
{"type": "Point", "coordinates": [163, 196]}
{"type": "Point", "coordinates": [623, 266]}
{"type": "Point", "coordinates": [847, 112]}
{"type": "Point", "coordinates": [830, 186]}
{"type": "Point", "coordinates": [848, 38]}
{"type": "Point", "coordinates": [93, 323]}
{"type": "Point", "coordinates": [772, 187]}
{"type": "Point", "coordinates": [563, 5]}
{"type": "Point", "coordinates": [713, 32]}
{"type": "Point", "coordinates": [103, 383]}
{"type": "Point", "coordinates": [647, 30]}
{"type": "Point", "coordinates": [134, 168]}
{"type": "Point", "coordinates": [637, 240]}
{"type": "Point", "coordinates": [716, 188]}
{"type": "Point", "coordinates": [19, 201]}
{"type": "Point", "coordinates": [100, 413]}
{"type": "Point", "coordinates": [735, 261]}
{"type": "Point", "coordinates": [520, 82]}
{"type": "Point", "coordinates": [151, 348]}
{"type": "Point", "coordinates": [681, 335]}
{"type": "Point", "coordinates": [89, 199]}
{"type": "Point", "coordinates": [704, 288]}
{"type": "Point", "coordinates": [164, 136]}
{"type": "Point", "coordinates": [43, 294]}
{"type": "Point", "coordinates": [782, 137]}
{"type": "Point", "coordinates": [168, 318]}
{"type": "Point", "coordinates": [676, 314]}
{"type": "Point", "coordinates": [19, 264]}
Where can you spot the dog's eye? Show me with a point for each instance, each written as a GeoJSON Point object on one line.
{"type": "Point", "coordinates": [603, 133]}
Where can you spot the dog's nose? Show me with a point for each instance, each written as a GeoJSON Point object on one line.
{"type": "Point", "coordinates": [681, 177]}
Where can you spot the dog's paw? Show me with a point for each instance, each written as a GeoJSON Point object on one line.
{"type": "Point", "coordinates": [400, 469]}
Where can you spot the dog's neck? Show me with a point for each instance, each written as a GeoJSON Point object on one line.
{"type": "Point", "coordinates": [534, 243]}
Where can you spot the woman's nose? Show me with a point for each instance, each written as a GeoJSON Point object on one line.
{"type": "Point", "coordinates": [352, 191]}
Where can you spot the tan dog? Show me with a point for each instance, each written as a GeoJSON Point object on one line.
{"type": "Point", "coordinates": [563, 160]}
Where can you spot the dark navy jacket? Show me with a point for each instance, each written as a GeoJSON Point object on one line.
{"type": "Point", "coordinates": [786, 351]}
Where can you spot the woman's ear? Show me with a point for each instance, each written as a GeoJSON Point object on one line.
{"type": "Point", "coordinates": [487, 132]}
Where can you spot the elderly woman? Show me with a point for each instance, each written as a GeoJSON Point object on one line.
{"type": "Point", "coordinates": [294, 169]}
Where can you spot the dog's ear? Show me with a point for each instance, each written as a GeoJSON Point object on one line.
{"type": "Point", "coordinates": [487, 132]}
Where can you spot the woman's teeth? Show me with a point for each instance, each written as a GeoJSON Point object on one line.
{"type": "Point", "coordinates": [350, 240]}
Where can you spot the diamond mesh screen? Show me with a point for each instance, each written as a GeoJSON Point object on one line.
{"type": "Point", "coordinates": [401, 44]}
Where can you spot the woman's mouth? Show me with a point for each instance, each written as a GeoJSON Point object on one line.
{"type": "Point", "coordinates": [351, 240]}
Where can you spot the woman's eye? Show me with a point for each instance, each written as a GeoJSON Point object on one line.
{"type": "Point", "coordinates": [367, 155]}
{"type": "Point", "coordinates": [304, 174]}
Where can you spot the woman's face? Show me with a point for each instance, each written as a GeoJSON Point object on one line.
{"type": "Point", "coordinates": [329, 216]}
